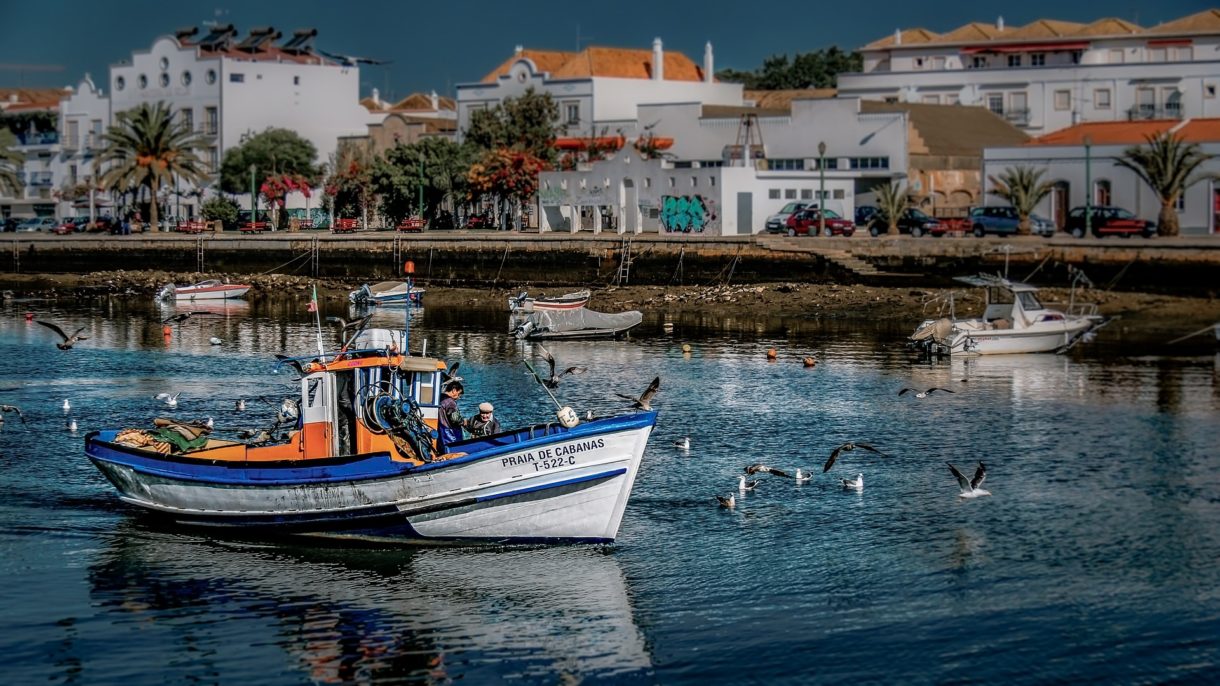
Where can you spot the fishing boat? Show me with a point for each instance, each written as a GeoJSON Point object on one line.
{"type": "Point", "coordinates": [1013, 321]}
{"type": "Point", "coordinates": [358, 460]}
{"type": "Point", "coordinates": [569, 324]}
{"type": "Point", "coordinates": [388, 293]}
{"type": "Point", "coordinates": [568, 301]}
{"type": "Point", "coordinates": [211, 289]}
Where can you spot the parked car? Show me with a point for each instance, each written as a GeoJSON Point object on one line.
{"type": "Point", "coordinates": [72, 225]}
{"type": "Point", "coordinates": [806, 222]}
{"type": "Point", "coordinates": [865, 214]}
{"type": "Point", "coordinates": [778, 222]}
{"type": "Point", "coordinates": [38, 224]}
{"type": "Point", "coordinates": [912, 221]}
{"type": "Point", "coordinates": [1108, 221]}
{"type": "Point", "coordinates": [1003, 221]}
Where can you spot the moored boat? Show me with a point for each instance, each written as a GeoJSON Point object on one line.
{"type": "Point", "coordinates": [359, 461]}
{"type": "Point", "coordinates": [567, 301]}
{"type": "Point", "coordinates": [1013, 321]}
{"type": "Point", "coordinates": [577, 323]}
{"type": "Point", "coordinates": [212, 289]}
{"type": "Point", "coordinates": [388, 293]}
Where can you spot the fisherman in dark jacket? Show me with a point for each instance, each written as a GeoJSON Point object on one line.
{"type": "Point", "coordinates": [450, 422]}
{"type": "Point", "coordinates": [484, 423]}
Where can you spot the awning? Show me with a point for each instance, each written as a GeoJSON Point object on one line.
{"type": "Point", "coordinates": [615, 142]}
{"type": "Point", "coordinates": [1169, 42]}
{"type": "Point", "coordinates": [1025, 47]}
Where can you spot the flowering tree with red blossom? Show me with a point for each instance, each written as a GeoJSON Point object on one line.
{"type": "Point", "coordinates": [510, 174]}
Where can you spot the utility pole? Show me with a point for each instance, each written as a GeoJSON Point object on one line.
{"type": "Point", "coordinates": [253, 198]}
{"type": "Point", "coordinates": [1088, 186]}
{"type": "Point", "coordinates": [822, 188]}
{"type": "Point", "coordinates": [421, 186]}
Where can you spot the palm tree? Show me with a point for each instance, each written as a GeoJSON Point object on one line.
{"type": "Point", "coordinates": [892, 201]}
{"type": "Point", "coordinates": [1023, 188]}
{"type": "Point", "coordinates": [10, 162]}
{"type": "Point", "coordinates": [1166, 164]}
{"type": "Point", "coordinates": [146, 148]}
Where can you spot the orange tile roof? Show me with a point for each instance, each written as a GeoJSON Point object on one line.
{"type": "Point", "coordinates": [1132, 132]}
{"type": "Point", "coordinates": [1207, 21]}
{"type": "Point", "coordinates": [27, 99]}
{"type": "Point", "coordinates": [974, 31]}
{"type": "Point", "coordinates": [782, 99]}
{"type": "Point", "coordinates": [909, 37]}
{"type": "Point", "coordinates": [1045, 28]}
{"type": "Point", "coordinates": [417, 102]}
{"type": "Point", "coordinates": [1109, 26]}
{"type": "Point", "coordinates": [623, 63]}
{"type": "Point", "coordinates": [545, 60]}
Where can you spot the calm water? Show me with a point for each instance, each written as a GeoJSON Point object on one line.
{"type": "Point", "coordinates": [1096, 559]}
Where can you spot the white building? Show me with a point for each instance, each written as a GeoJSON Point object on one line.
{"type": "Point", "coordinates": [1050, 74]}
{"type": "Point", "coordinates": [844, 147]}
{"type": "Point", "coordinates": [38, 143]}
{"type": "Point", "coordinates": [225, 87]}
{"type": "Point", "coordinates": [599, 88]}
{"type": "Point", "coordinates": [1063, 155]}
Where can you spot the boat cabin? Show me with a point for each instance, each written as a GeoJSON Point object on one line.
{"type": "Point", "coordinates": [1010, 304]}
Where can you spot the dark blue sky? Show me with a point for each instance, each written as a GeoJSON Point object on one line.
{"type": "Point", "coordinates": [434, 45]}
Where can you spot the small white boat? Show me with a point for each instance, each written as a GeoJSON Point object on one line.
{"type": "Point", "coordinates": [1013, 321]}
{"type": "Point", "coordinates": [387, 293]}
{"type": "Point", "coordinates": [577, 323]}
{"type": "Point", "coordinates": [567, 301]}
{"type": "Point", "coordinates": [211, 289]}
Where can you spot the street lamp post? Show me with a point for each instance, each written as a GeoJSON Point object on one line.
{"type": "Point", "coordinates": [421, 186]}
{"type": "Point", "coordinates": [1088, 186]}
{"type": "Point", "coordinates": [822, 188]}
{"type": "Point", "coordinates": [253, 198]}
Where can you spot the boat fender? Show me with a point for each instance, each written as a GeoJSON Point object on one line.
{"type": "Point", "coordinates": [567, 417]}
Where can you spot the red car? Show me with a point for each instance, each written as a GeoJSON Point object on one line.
{"type": "Point", "coordinates": [807, 222]}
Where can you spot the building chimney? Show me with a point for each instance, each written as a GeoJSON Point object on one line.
{"type": "Point", "coordinates": [999, 23]}
{"type": "Point", "coordinates": [708, 63]}
{"type": "Point", "coordinates": [897, 36]}
{"type": "Point", "coordinates": [519, 49]}
{"type": "Point", "coordinates": [658, 60]}
{"type": "Point", "coordinates": [436, 103]}
{"type": "Point", "coordinates": [377, 97]}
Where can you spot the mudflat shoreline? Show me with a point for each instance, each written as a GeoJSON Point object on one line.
{"type": "Point", "coordinates": [1149, 313]}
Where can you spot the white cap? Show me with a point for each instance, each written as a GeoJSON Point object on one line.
{"type": "Point", "coordinates": [485, 407]}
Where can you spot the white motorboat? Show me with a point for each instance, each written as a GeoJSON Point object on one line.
{"type": "Point", "coordinates": [567, 301]}
{"type": "Point", "coordinates": [388, 293]}
{"type": "Point", "coordinates": [1013, 321]}
{"type": "Point", "coordinates": [212, 289]}
{"type": "Point", "coordinates": [576, 323]}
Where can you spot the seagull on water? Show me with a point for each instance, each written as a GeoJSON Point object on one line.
{"type": "Point", "coordinates": [553, 381]}
{"type": "Point", "coordinates": [683, 444]}
{"type": "Point", "coordinates": [644, 402]}
{"type": "Point", "coordinates": [240, 405]}
{"type": "Point", "coordinates": [71, 425]}
{"type": "Point", "coordinates": [729, 501]}
{"type": "Point", "coordinates": [803, 477]}
{"type": "Point", "coordinates": [589, 416]}
{"type": "Point", "coordinates": [743, 485]}
{"type": "Point", "coordinates": [924, 394]}
{"type": "Point", "coordinates": [970, 487]}
{"type": "Point", "coordinates": [856, 484]}
{"type": "Point", "coordinates": [68, 341]}
{"type": "Point", "coordinates": [215, 341]}
{"type": "Point", "coordinates": [169, 399]}
{"type": "Point", "coordinates": [209, 423]}
{"type": "Point", "coordinates": [846, 448]}
{"type": "Point", "coordinates": [756, 468]}
{"type": "Point", "coordinates": [67, 405]}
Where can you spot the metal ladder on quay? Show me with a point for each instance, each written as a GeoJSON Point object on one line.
{"type": "Point", "coordinates": [199, 254]}
{"type": "Point", "coordinates": [624, 264]}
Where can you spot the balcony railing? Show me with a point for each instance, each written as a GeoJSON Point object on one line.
{"type": "Point", "coordinates": [71, 143]}
{"type": "Point", "coordinates": [40, 181]}
{"type": "Point", "coordinates": [50, 138]}
{"type": "Point", "coordinates": [1169, 111]}
{"type": "Point", "coordinates": [1017, 117]}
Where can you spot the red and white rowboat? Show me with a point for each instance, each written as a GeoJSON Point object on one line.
{"type": "Point", "coordinates": [568, 301]}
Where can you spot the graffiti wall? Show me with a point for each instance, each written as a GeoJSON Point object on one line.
{"type": "Point", "coordinates": [689, 213]}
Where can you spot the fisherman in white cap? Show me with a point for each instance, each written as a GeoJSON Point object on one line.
{"type": "Point", "coordinates": [484, 423]}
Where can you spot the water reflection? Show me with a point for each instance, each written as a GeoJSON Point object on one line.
{"type": "Point", "coordinates": [346, 615]}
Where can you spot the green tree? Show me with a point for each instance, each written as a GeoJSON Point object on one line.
{"type": "Point", "coordinates": [528, 123]}
{"type": "Point", "coordinates": [1167, 165]}
{"type": "Point", "coordinates": [816, 69]}
{"type": "Point", "coordinates": [396, 177]}
{"type": "Point", "coordinates": [221, 210]}
{"type": "Point", "coordinates": [273, 152]}
{"type": "Point", "coordinates": [146, 148]}
{"type": "Point", "coordinates": [892, 201]}
{"type": "Point", "coordinates": [10, 162]}
{"type": "Point", "coordinates": [1023, 188]}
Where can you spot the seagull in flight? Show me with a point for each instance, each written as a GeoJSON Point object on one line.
{"type": "Point", "coordinates": [970, 487]}
{"type": "Point", "coordinates": [168, 398]}
{"type": "Point", "coordinates": [181, 317]}
{"type": "Point", "coordinates": [295, 364]}
{"type": "Point", "coordinates": [450, 375]}
{"type": "Point", "coordinates": [352, 60]}
{"type": "Point", "coordinates": [729, 501]}
{"type": "Point", "coordinates": [11, 408]}
{"type": "Point", "coordinates": [68, 341]}
{"type": "Point", "coordinates": [924, 394]}
{"type": "Point", "coordinates": [856, 484]}
{"type": "Point", "coordinates": [349, 330]}
{"type": "Point", "coordinates": [743, 485]}
{"type": "Point", "coordinates": [553, 381]}
{"type": "Point", "coordinates": [756, 468]}
{"type": "Point", "coordinates": [846, 448]}
{"type": "Point", "coordinates": [644, 402]}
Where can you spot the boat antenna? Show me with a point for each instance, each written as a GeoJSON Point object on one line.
{"type": "Point", "coordinates": [313, 305]}
{"type": "Point", "coordinates": [408, 268]}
